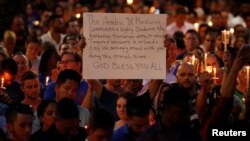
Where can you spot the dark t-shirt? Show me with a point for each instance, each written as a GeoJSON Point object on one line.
{"type": "Point", "coordinates": [53, 135]}
{"type": "Point", "coordinates": [108, 100]}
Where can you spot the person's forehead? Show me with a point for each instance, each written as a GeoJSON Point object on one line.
{"type": "Point", "coordinates": [21, 117]}
{"type": "Point", "coordinates": [70, 82]}
{"type": "Point", "coordinates": [185, 68]}
{"type": "Point", "coordinates": [67, 56]}
{"type": "Point", "coordinates": [34, 81]}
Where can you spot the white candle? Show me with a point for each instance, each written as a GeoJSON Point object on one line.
{"type": "Point", "coordinates": [247, 67]}
{"type": "Point", "coordinates": [210, 23]}
{"type": "Point", "coordinates": [214, 72]}
{"type": "Point", "coordinates": [205, 60]}
{"type": "Point", "coordinates": [231, 31]}
{"type": "Point", "coordinates": [129, 2]}
{"type": "Point", "coordinates": [47, 81]}
{"type": "Point", "coordinates": [225, 38]}
{"type": "Point", "coordinates": [193, 60]}
{"type": "Point", "coordinates": [196, 27]}
{"type": "Point", "coordinates": [2, 83]}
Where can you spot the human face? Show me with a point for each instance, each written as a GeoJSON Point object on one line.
{"type": "Point", "coordinates": [48, 117]}
{"type": "Point", "coordinates": [68, 62]}
{"type": "Point", "coordinates": [22, 63]}
{"type": "Point", "coordinates": [171, 52]}
{"type": "Point", "coordinates": [31, 88]}
{"type": "Point", "coordinates": [59, 25]}
{"type": "Point", "coordinates": [212, 61]}
{"type": "Point", "coordinates": [9, 43]}
{"type": "Point", "coordinates": [67, 89]}
{"type": "Point", "coordinates": [191, 41]}
{"type": "Point", "coordinates": [32, 50]}
{"type": "Point", "coordinates": [242, 77]}
{"type": "Point", "coordinates": [133, 85]}
{"type": "Point", "coordinates": [20, 130]}
{"type": "Point", "coordinates": [68, 127]}
{"type": "Point", "coordinates": [186, 76]}
{"type": "Point", "coordinates": [240, 41]}
{"type": "Point", "coordinates": [138, 124]}
{"type": "Point", "coordinates": [121, 108]}
{"type": "Point", "coordinates": [114, 82]}
{"type": "Point", "coordinates": [99, 134]}
{"type": "Point", "coordinates": [209, 42]}
{"type": "Point", "coordinates": [18, 25]}
{"type": "Point", "coordinates": [218, 43]}
{"type": "Point", "coordinates": [73, 27]}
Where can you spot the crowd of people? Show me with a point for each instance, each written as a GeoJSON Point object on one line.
{"type": "Point", "coordinates": [205, 94]}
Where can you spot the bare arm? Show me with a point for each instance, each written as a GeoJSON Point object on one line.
{"type": "Point", "coordinates": [96, 86]}
{"type": "Point", "coordinates": [201, 100]}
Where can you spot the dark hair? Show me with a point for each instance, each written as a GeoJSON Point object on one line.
{"type": "Point", "coordinates": [179, 42]}
{"type": "Point", "coordinates": [15, 109]}
{"type": "Point", "coordinates": [125, 95]}
{"type": "Point", "coordinates": [52, 18]}
{"type": "Point", "coordinates": [29, 75]}
{"type": "Point", "coordinates": [178, 34]}
{"type": "Point", "coordinates": [33, 39]}
{"type": "Point", "coordinates": [138, 106]}
{"type": "Point", "coordinates": [43, 66]}
{"type": "Point", "coordinates": [192, 31]}
{"type": "Point", "coordinates": [68, 74]}
{"type": "Point", "coordinates": [9, 65]}
{"type": "Point", "coordinates": [177, 96]}
{"type": "Point", "coordinates": [101, 118]}
{"type": "Point", "coordinates": [42, 107]}
{"type": "Point", "coordinates": [67, 109]}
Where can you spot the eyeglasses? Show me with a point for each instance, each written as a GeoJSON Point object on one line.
{"type": "Point", "coordinates": [66, 61]}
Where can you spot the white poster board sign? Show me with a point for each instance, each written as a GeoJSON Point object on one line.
{"type": "Point", "coordinates": [124, 46]}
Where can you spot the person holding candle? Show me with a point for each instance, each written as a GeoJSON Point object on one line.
{"type": "Point", "coordinates": [220, 118]}
{"type": "Point", "coordinates": [8, 71]}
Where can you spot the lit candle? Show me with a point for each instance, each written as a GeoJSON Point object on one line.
{"type": "Point", "coordinates": [231, 31]}
{"type": "Point", "coordinates": [210, 23]}
{"type": "Point", "coordinates": [47, 81]}
{"type": "Point", "coordinates": [2, 83]}
{"type": "Point", "coordinates": [78, 15]}
{"type": "Point", "coordinates": [225, 38]}
{"type": "Point", "coordinates": [214, 72]}
{"type": "Point", "coordinates": [196, 27]}
{"type": "Point", "coordinates": [193, 60]}
{"type": "Point", "coordinates": [129, 2]}
{"type": "Point", "coordinates": [152, 10]}
{"type": "Point", "coordinates": [247, 67]}
{"type": "Point", "coordinates": [205, 60]}
{"type": "Point", "coordinates": [209, 69]}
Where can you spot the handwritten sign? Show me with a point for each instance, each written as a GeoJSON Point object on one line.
{"type": "Point", "coordinates": [124, 46]}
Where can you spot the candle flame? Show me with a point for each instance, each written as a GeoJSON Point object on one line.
{"type": "Point", "coordinates": [129, 2]}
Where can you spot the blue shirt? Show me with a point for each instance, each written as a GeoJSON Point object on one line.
{"type": "Point", "coordinates": [50, 93]}
{"type": "Point", "coordinates": [123, 134]}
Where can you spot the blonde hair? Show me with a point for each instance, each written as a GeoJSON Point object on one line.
{"type": "Point", "coordinates": [9, 34]}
